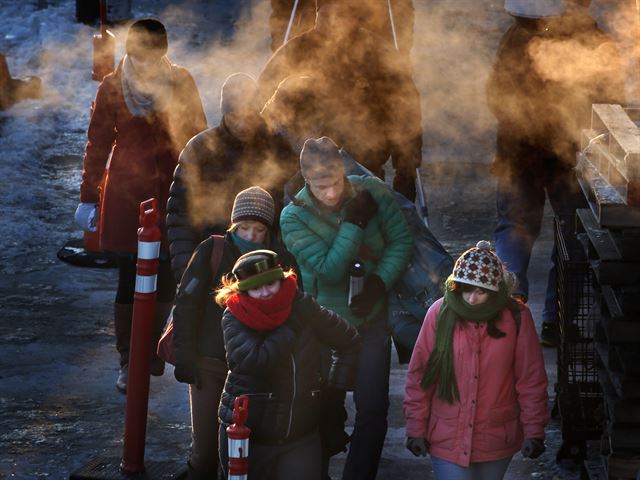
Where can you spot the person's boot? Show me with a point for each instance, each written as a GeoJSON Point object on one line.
{"type": "Point", "coordinates": [162, 313]}
{"type": "Point", "coordinates": [549, 334]}
{"type": "Point", "coordinates": [122, 315]}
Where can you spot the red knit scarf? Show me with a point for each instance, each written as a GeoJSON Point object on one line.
{"type": "Point", "coordinates": [264, 315]}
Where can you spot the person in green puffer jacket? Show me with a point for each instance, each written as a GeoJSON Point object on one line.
{"type": "Point", "coordinates": [333, 222]}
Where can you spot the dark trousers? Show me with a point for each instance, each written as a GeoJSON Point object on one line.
{"type": "Point", "coordinates": [127, 280]}
{"type": "Point", "coordinates": [203, 401]}
{"type": "Point", "coordinates": [520, 205]}
{"type": "Point", "coordinates": [371, 397]}
{"type": "Point", "coordinates": [298, 459]}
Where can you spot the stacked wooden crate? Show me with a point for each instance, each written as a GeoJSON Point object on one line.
{"type": "Point", "coordinates": [609, 174]}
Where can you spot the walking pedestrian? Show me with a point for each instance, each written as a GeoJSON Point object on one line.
{"type": "Point", "coordinates": [552, 64]}
{"type": "Point", "coordinates": [143, 115]}
{"type": "Point", "coordinates": [218, 163]}
{"type": "Point", "coordinates": [370, 103]}
{"type": "Point", "coordinates": [272, 335]}
{"type": "Point", "coordinates": [476, 389]}
{"type": "Point", "coordinates": [332, 224]}
{"type": "Point", "coordinates": [199, 346]}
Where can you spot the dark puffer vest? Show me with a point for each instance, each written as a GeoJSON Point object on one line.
{"type": "Point", "coordinates": [279, 370]}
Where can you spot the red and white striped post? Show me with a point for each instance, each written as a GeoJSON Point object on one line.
{"type": "Point", "coordinates": [144, 306]}
{"type": "Point", "coordinates": [238, 434]}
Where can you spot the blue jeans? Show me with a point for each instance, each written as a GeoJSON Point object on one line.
{"type": "Point", "coordinates": [371, 396]}
{"type": "Point", "coordinates": [494, 470]}
{"type": "Point", "coordinates": [520, 205]}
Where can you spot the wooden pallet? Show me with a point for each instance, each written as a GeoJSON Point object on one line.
{"type": "Point", "coordinates": [604, 253]}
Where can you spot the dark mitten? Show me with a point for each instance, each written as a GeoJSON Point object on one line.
{"type": "Point", "coordinates": [186, 373]}
{"type": "Point", "coordinates": [418, 446]}
{"type": "Point", "coordinates": [532, 447]}
{"type": "Point", "coordinates": [361, 209]}
{"type": "Point", "coordinates": [333, 415]}
{"type": "Point", "coordinates": [374, 289]}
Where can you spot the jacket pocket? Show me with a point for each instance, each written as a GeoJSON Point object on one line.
{"type": "Point", "coordinates": [443, 424]}
{"type": "Point", "coordinates": [503, 427]}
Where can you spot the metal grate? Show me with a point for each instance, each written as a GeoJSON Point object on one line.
{"type": "Point", "coordinates": [579, 395]}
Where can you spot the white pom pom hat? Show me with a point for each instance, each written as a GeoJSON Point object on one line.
{"type": "Point", "coordinates": [479, 266]}
{"type": "Point", "coordinates": [535, 8]}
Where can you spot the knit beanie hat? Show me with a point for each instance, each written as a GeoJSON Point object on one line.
{"type": "Point", "coordinates": [253, 203]}
{"type": "Point", "coordinates": [257, 268]}
{"type": "Point", "coordinates": [147, 35]}
{"type": "Point", "coordinates": [239, 91]}
{"type": "Point", "coordinates": [479, 266]}
{"type": "Point", "coordinates": [320, 158]}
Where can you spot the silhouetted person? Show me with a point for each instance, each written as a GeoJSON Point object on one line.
{"type": "Point", "coordinates": [218, 163]}
{"type": "Point", "coordinates": [551, 66]}
{"type": "Point", "coordinates": [370, 104]}
{"type": "Point", "coordinates": [143, 115]}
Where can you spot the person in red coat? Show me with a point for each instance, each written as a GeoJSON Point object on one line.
{"type": "Point", "coordinates": [476, 390]}
{"type": "Point", "coordinates": [143, 115]}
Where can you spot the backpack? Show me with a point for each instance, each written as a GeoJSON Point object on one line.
{"type": "Point", "coordinates": [421, 284]}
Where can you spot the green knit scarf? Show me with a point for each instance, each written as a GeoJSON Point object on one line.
{"type": "Point", "coordinates": [440, 368]}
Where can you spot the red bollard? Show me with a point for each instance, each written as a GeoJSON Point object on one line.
{"type": "Point", "coordinates": [104, 47]}
{"type": "Point", "coordinates": [144, 307]}
{"type": "Point", "coordinates": [238, 434]}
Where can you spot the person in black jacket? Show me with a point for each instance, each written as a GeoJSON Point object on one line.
{"type": "Point", "coordinates": [199, 348]}
{"type": "Point", "coordinates": [273, 334]}
{"type": "Point", "coordinates": [218, 163]}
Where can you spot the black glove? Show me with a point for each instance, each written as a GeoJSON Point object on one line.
{"type": "Point", "coordinates": [374, 289]}
{"type": "Point", "coordinates": [361, 209]}
{"type": "Point", "coordinates": [532, 447]}
{"type": "Point", "coordinates": [186, 373]}
{"type": "Point", "coordinates": [418, 446]}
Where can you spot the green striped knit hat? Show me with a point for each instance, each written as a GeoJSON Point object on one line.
{"type": "Point", "coordinates": [257, 268]}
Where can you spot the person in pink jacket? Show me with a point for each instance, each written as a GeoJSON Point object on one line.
{"type": "Point", "coordinates": [476, 389]}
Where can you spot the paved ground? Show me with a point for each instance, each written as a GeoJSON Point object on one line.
{"type": "Point", "coordinates": [58, 403]}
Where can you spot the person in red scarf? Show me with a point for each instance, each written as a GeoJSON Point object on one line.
{"type": "Point", "coordinates": [272, 335]}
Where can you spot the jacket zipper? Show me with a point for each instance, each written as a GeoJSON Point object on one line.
{"type": "Point", "coordinates": [293, 397]}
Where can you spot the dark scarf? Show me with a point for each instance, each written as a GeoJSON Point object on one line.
{"type": "Point", "coordinates": [245, 246]}
{"type": "Point", "coordinates": [264, 315]}
{"type": "Point", "coordinates": [440, 368]}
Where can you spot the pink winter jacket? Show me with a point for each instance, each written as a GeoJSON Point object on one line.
{"type": "Point", "coordinates": [503, 391]}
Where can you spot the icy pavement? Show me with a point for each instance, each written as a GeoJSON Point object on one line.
{"type": "Point", "coordinates": [58, 403]}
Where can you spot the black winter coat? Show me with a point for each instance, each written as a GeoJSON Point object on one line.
{"type": "Point", "coordinates": [196, 316]}
{"type": "Point", "coordinates": [279, 370]}
{"type": "Point", "coordinates": [213, 167]}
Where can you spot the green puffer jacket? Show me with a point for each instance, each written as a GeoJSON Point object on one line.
{"type": "Point", "coordinates": [324, 246]}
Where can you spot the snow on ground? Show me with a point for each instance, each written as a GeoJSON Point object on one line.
{"type": "Point", "coordinates": [58, 403]}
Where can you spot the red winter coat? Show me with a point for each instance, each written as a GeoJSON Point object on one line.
{"type": "Point", "coordinates": [503, 391]}
{"type": "Point", "coordinates": [131, 159]}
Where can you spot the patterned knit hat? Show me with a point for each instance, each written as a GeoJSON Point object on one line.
{"type": "Point", "coordinates": [479, 266]}
{"type": "Point", "coordinates": [253, 203]}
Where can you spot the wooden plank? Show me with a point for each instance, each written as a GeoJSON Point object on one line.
{"type": "Point", "coordinates": [600, 238]}
{"type": "Point", "coordinates": [624, 135]}
{"type": "Point", "coordinates": [606, 203]}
